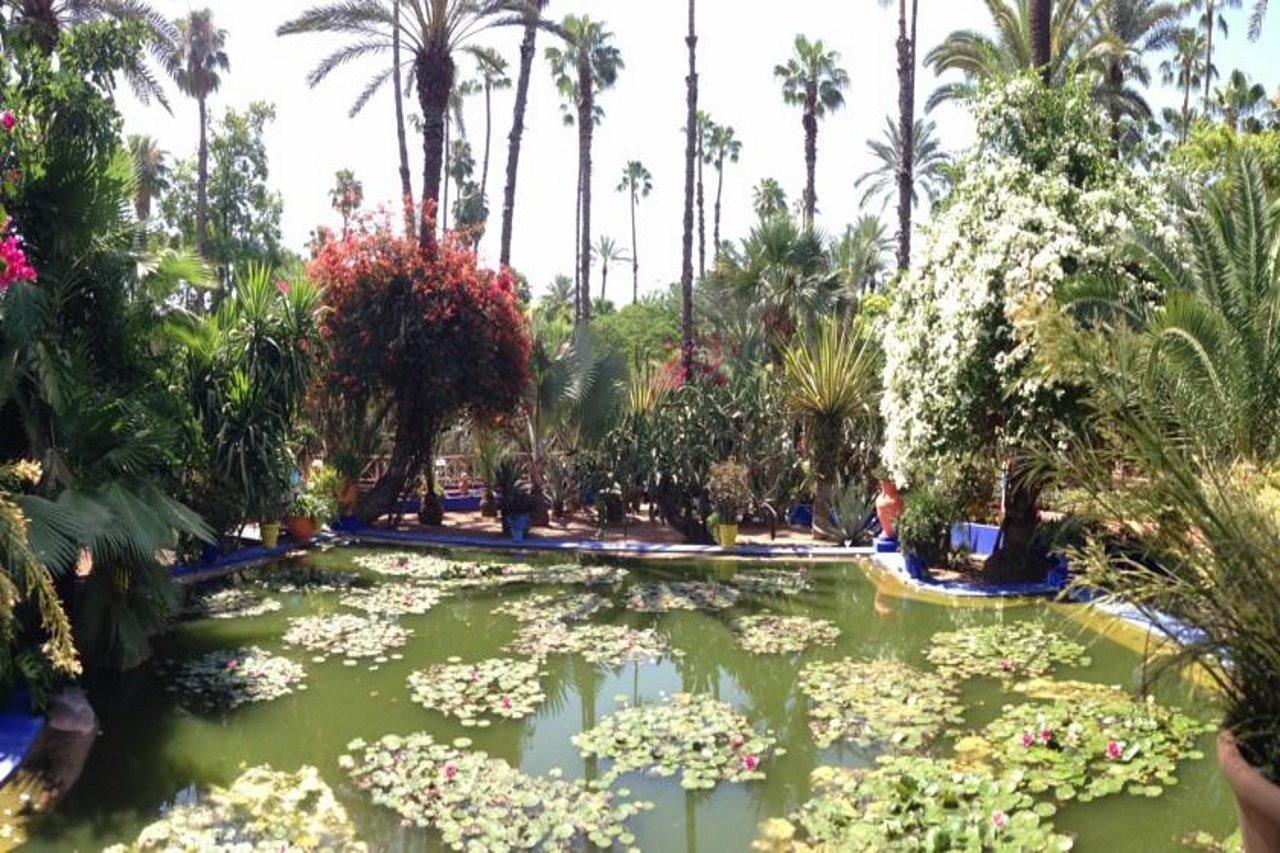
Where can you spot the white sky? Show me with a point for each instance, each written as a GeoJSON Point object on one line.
{"type": "Point", "coordinates": [312, 136]}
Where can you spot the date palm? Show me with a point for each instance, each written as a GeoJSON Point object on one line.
{"type": "Point", "coordinates": [637, 183]}
{"type": "Point", "coordinates": [1239, 100]}
{"type": "Point", "coordinates": [769, 199]}
{"type": "Point", "coordinates": [1131, 29]}
{"type": "Point", "coordinates": [196, 62]}
{"type": "Point", "coordinates": [588, 64]}
{"type": "Point", "coordinates": [813, 80]}
{"type": "Point", "coordinates": [1256, 17]}
{"type": "Point", "coordinates": [978, 56]}
{"type": "Point", "coordinates": [151, 173]}
{"type": "Point", "coordinates": [930, 164]}
{"type": "Point", "coordinates": [531, 12]}
{"type": "Point", "coordinates": [722, 146]}
{"type": "Point", "coordinates": [607, 251]}
{"type": "Point", "coordinates": [432, 31]}
{"type": "Point", "coordinates": [1211, 18]}
{"type": "Point", "coordinates": [905, 159]}
{"type": "Point", "coordinates": [1185, 69]}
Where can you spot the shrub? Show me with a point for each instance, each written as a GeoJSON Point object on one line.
{"type": "Point", "coordinates": [728, 490]}
{"type": "Point", "coordinates": [924, 529]}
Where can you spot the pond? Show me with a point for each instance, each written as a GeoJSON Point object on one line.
{"type": "Point", "coordinates": [761, 710]}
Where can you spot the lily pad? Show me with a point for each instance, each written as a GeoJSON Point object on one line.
{"type": "Point", "coordinates": [346, 635]}
{"type": "Point", "coordinates": [1084, 741]}
{"type": "Point", "coordinates": [883, 702]}
{"type": "Point", "coordinates": [1003, 652]}
{"type": "Point", "coordinates": [554, 608]}
{"type": "Point", "coordinates": [567, 574]}
{"type": "Point", "coordinates": [421, 567]}
{"type": "Point", "coordinates": [768, 634]}
{"type": "Point", "coordinates": [481, 803]}
{"type": "Point", "coordinates": [906, 800]}
{"type": "Point", "coordinates": [500, 687]}
{"type": "Point", "coordinates": [303, 579]}
{"type": "Point", "coordinates": [606, 644]}
{"type": "Point", "coordinates": [232, 603]}
{"type": "Point", "coordinates": [707, 741]}
{"type": "Point", "coordinates": [228, 678]}
{"type": "Point", "coordinates": [681, 595]}
{"type": "Point", "coordinates": [393, 599]}
{"type": "Point", "coordinates": [262, 810]}
{"type": "Point", "coordinates": [773, 581]}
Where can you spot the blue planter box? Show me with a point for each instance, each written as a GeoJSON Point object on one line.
{"type": "Point", "coordinates": [518, 525]}
{"type": "Point", "coordinates": [917, 568]}
{"type": "Point", "coordinates": [801, 515]}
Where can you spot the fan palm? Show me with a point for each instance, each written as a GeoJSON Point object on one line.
{"type": "Point", "coordinates": [197, 58]}
{"type": "Point", "coordinates": [858, 257]}
{"type": "Point", "coordinates": [432, 31]}
{"type": "Point", "coordinates": [1211, 18]}
{"type": "Point", "coordinates": [47, 20]}
{"type": "Point", "coordinates": [722, 146]}
{"type": "Point", "coordinates": [1185, 69]}
{"type": "Point", "coordinates": [833, 383]}
{"type": "Point", "coordinates": [930, 164]}
{"type": "Point", "coordinates": [978, 56]}
{"type": "Point", "coordinates": [702, 133]}
{"type": "Point", "coordinates": [637, 183]}
{"type": "Point", "coordinates": [1239, 100]}
{"type": "Point", "coordinates": [813, 80]}
{"type": "Point", "coordinates": [769, 199]}
{"type": "Point", "coordinates": [607, 251]}
{"type": "Point", "coordinates": [1131, 29]}
{"type": "Point", "coordinates": [151, 173]}
{"type": "Point", "coordinates": [492, 69]}
{"type": "Point", "coordinates": [690, 152]}
{"type": "Point", "coordinates": [586, 65]}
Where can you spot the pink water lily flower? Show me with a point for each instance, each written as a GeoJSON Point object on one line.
{"type": "Point", "coordinates": [506, 703]}
{"type": "Point", "coordinates": [1028, 739]}
{"type": "Point", "coordinates": [1006, 664]}
{"type": "Point", "coordinates": [1046, 735]}
{"type": "Point", "coordinates": [1113, 750]}
{"type": "Point", "coordinates": [999, 820]}
{"type": "Point", "coordinates": [450, 770]}
{"type": "Point", "coordinates": [750, 763]}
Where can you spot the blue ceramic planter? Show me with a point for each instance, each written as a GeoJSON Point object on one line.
{"type": "Point", "coordinates": [917, 568]}
{"type": "Point", "coordinates": [518, 524]}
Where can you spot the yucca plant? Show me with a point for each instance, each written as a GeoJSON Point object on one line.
{"type": "Point", "coordinates": [833, 384]}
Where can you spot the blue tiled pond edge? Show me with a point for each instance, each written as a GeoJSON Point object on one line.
{"type": "Point", "coordinates": [19, 728]}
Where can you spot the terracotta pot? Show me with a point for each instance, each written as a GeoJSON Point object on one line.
{"type": "Point", "coordinates": [300, 527]}
{"type": "Point", "coordinates": [889, 507]}
{"type": "Point", "coordinates": [1257, 799]}
{"type": "Point", "coordinates": [349, 495]}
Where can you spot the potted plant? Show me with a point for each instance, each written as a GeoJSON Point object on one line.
{"type": "Point", "coordinates": [889, 507]}
{"type": "Point", "coordinates": [729, 493]}
{"type": "Point", "coordinates": [311, 506]}
{"type": "Point", "coordinates": [517, 510]}
{"type": "Point", "coordinates": [924, 531]}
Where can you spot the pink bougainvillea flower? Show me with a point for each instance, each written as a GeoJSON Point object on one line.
{"type": "Point", "coordinates": [14, 266]}
{"type": "Point", "coordinates": [1028, 739]}
{"type": "Point", "coordinates": [750, 763]}
{"type": "Point", "coordinates": [999, 820]}
{"type": "Point", "coordinates": [450, 770]}
{"type": "Point", "coordinates": [1113, 750]}
{"type": "Point", "coordinates": [283, 286]}
{"type": "Point", "coordinates": [8, 120]}
{"type": "Point", "coordinates": [232, 664]}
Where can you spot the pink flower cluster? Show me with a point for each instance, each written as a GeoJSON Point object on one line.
{"type": "Point", "coordinates": [13, 260]}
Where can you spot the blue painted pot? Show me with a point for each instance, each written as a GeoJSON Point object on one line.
{"type": "Point", "coordinates": [917, 568]}
{"type": "Point", "coordinates": [518, 525]}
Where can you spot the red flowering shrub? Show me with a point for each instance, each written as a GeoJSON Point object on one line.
{"type": "Point", "coordinates": [426, 331]}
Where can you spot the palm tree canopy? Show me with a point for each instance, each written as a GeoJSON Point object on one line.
{"type": "Point", "coordinates": [585, 40]}
{"type": "Point", "coordinates": [813, 71]}
{"type": "Point", "coordinates": [636, 179]}
{"type": "Point", "coordinates": [930, 163]}
{"type": "Point", "coordinates": [150, 164]}
{"type": "Point", "coordinates": [1185, 68]}
{"type": "Point", "coordinates": [608, 250]}
{"type": "Point", "coordinates": [491, 68]}
{"type": "Point", "coordinates": [1240, 99]}
{"type": "Point", "coordinates": [722, 145]}
{"type": "Point", "coordinates": [769, 198]}
{"type": "Point", "coordinates": [199, 54]}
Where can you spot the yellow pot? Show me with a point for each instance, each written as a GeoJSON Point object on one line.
{"type": "Point", "coordinates": [270, 534]}
{"type": "Point", "coordinates": [728, 535]}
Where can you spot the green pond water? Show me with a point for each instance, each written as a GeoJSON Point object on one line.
{"type": "Point", "coordinates": [152, 751]}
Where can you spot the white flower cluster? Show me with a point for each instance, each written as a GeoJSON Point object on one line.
{"type": "Point", "coordinates": [1026, 216]}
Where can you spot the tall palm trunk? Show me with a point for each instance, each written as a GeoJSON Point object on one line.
{"type": "Point", "coordinates": [586, 114]}
{"type": "Point", "coordinates": [1115, 79]}
{"type": "Point", "coordinates": [1208, 52]}
{"type": "Point", "coordinates": [635, 251]}
{"type": "Point", "coordinates": [527, 47]}
{"type": "Point", "coordinates": [702, 217]}
{"type": "Point", "coordinates": [406, 184]}
{"type": "Point", "coordinates": [810, 122]}
{"type": "Point", "coordinates": [434, 70]}
{"type": "Point", "coordinates": [444, 189]}
{"type": "Point", "coordinates": [577, 247]}
{"type": "Point", "coordinates": [715, 234]}
{"type": "Point", "coordinates": [202, 181]}
{"type": "Point", "coordinates": [1186, 101]}
{"type": "Point", "coordinates": [1020, 555]}
{"type": "Point", "coordinates": [484, 171]}
{"type": "Point", "coordinates": [1041, 27]}
{"type": "Point", "coordinates": [690, 150]}
{"type": "Point", "coordinates": [906, 127]}
{"type": "Point", "coordinates": [604, 276]}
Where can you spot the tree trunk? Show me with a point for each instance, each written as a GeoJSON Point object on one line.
{"type": "Point", "coordinates": [444, 189]}
{"type": "Point", "coordinates": [635, 252]}
{"type": "Point", "coordinates": [810, 122]}
{"type": "Point", "coordinates": [406, 184]}
{"type": "Point", "coordinates": [702, 218]}
{"type": "Point", "coordinates": [527, 45]}
{"type": "Point", "coordinates": [202, 182]}
{"type": "Point", "coordinates": [715, 234]}
{"type": "Point", "coordinates": [410, 450]}
{"type": "Point", "coordinates": [690, 150]}
{"type": "Point", "coordinates": [577, 247]}
{"type": "Point", "coordinates": [604, 277]}
{"type": "Point", "coordinates": [586, 114]}
{"type": "Point", "coordinates": [1019, 557]}
{"type": "Point", "coordinates": [1186, 103]}
{"type": "Point", "coordinates": [1041, 26]}
{"type": "Point", "coordinates": [484, 171]}
{"type": "Point", "coordinates": [1208, 53]}
{"type": "Point", "coordinates": [906, 130]}
{"type": "Point", "coordinates": [435, 71]}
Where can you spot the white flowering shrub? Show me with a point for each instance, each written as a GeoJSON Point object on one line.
{"type": "Point", "coordinates": [1040, 199]}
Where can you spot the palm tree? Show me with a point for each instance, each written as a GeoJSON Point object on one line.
{"type": "Point", "coordinates": [833, 382]}
{"type": "Point", "coordinates": [1185, 68]}
{"type": "Point", "coordinates": [690, 152]}
{"type": "Point", "coordinates": [1211, 16]}
{"type": "Point", "coordinates": [1040, 30]}
{"type": "Point", "coordinates": [930, 164]}
{"type": "Point", "coordinates": [151, 169]}
{"type": "Point", "coordinates": [858, 257]}
{"type": "Point", "coordinates": [722, 145]}
{"type": "Point", "coordinates": [198, 56]}
{"type": "Point", "coordinates": [346, 196]}
{"type": "Point", "coordinates": [1239, 100]}
{"type": "Point", "coordinates": [532, 13]}
{"type": "Point", "coordinates": [1131, 29]}
{"type": "Point", "coordinates": [560, 296]}
{"type": "Point", "coordinates": [637, 183]}
{"type": "Point", "coordinates": [905, 159]}
{"type": "Point", "coordinates": [402, 145]}
{"type": "Point", "coordinates": [454, 115]}
{"type": "Point", "coordinates": [607, 251]}
{"type": "Point", "coordinates": [979, 56]}
{"type": "Point", "coordinates": [492, 69]}
{"type": "Point", "coordinates": [587, 65]}
{"type": "Point", "coordinates": [46, 20]}
{"type": "Point", "coordinates": [705, 124]}
{"type": "Point", "coordinates": [812, 80]}
{"type": "Point", "coordinates": [769, 199]}
{"type": "Point", "coordinates": [433, 31]}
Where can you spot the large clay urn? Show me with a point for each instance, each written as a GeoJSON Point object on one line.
{"type": "Point", "coordinates": [1257, 798]}
{"type": "Point", "coordinates": [889, 508]}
